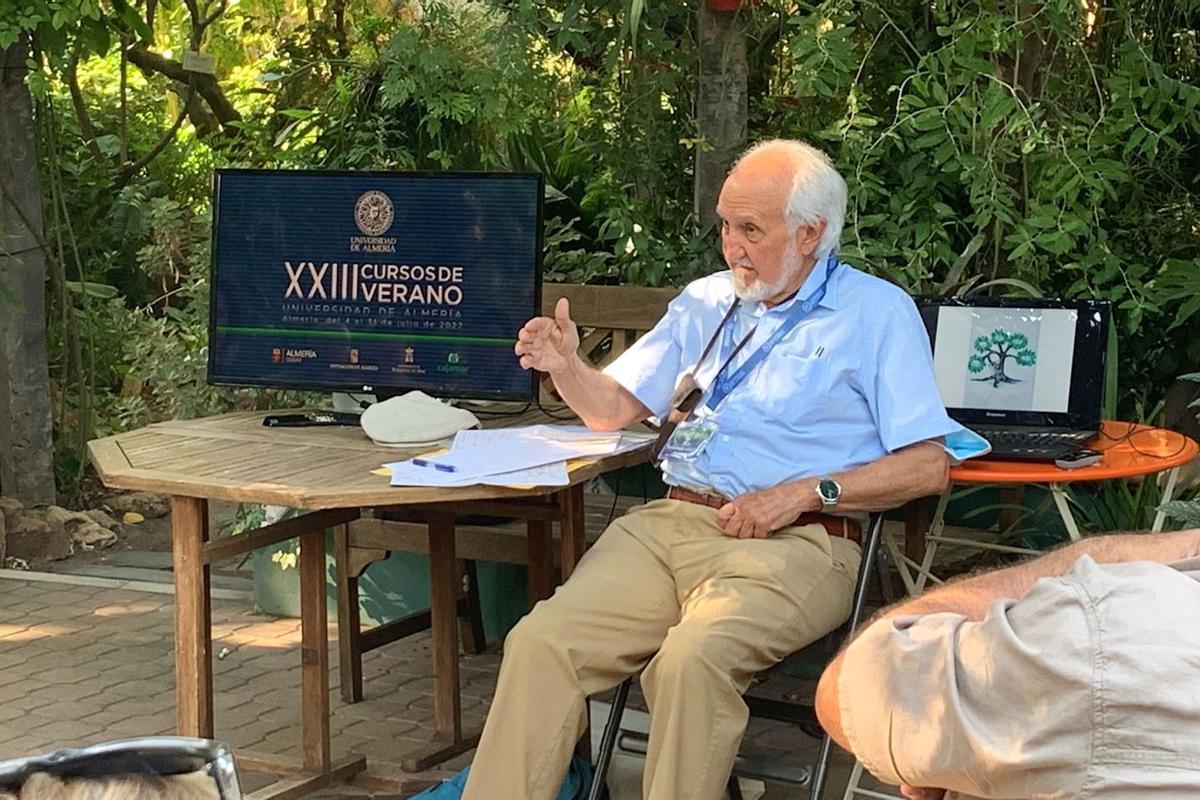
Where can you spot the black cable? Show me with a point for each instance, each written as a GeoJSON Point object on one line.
{"type": "Point", "coordinates": [612, 512]}
{"type": "Point", "coordinates": [363, 403]}
{"type": "Point", "coordinates": [489, 414]}
{"type": "Point", "coordinates": [1127, 437]}
{"type": "Point", "coordinates": [552, 415]}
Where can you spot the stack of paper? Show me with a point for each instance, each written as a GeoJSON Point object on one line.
{"type": "Point", "coordinates": [536, 455]}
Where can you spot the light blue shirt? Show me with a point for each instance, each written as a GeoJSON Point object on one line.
{"type": "Point", "coordinates": [852, 382]}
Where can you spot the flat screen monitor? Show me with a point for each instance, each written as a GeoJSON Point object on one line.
{"type": "Point", "coordinates": [374, 282]}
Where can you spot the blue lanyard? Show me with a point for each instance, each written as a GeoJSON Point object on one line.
{"type": "Point", "coordinates": [727, 382]}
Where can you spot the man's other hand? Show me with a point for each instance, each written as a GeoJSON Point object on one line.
{"type": "Point", "coordinates": [918, 793]}
{"type": "Point", "coordinates": [756, 515]}
{"type": "Point", "coordinates": [548, 344]}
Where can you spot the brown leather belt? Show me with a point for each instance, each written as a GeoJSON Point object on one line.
{"type": "Point", "coordinates": [834, 526]}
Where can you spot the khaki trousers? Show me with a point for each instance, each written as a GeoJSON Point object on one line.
{"type": "Point", "coordinates": [666, 590]}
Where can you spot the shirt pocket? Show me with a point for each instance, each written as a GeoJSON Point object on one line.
{"type": "Point", "coordinates": [796, 384]}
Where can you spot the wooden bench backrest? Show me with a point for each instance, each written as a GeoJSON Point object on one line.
{"type": "Point", "coordinates": [610, 317]}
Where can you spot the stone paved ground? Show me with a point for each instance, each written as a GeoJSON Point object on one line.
{"type": "Point", "coordinates": [87, 663]}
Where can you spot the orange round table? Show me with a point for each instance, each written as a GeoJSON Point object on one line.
{"type": "Point", "coordinates": [1129, 450]}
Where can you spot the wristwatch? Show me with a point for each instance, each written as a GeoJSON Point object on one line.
{"type": "Point", "coordinates": [830, 492]}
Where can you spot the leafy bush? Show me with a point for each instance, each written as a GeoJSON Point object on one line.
{"type": "Point", "coordinates": [1048, 148]}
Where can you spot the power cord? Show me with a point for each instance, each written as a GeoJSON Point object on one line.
{"type": "Point", "coordinates": [1127, 438]}
{"type": "Point", "coordinates": [612, 511]}
{"type": "Point", "coordinates": [491, 414]}
{"type": "Point", "coordinates": [552, 415]}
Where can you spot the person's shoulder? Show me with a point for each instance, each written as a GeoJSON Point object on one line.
{"type": "Point", "coordinates": [710, 290]}
{"type": "Point", "coordinates": [877, 306]}
{"type": "Point", "coordinates": [1135, 578]}
{"type": "Point", "coordinates": [859, 288]}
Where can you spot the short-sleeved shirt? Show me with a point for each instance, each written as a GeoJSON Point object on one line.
{"type": "Point", "coordinates": [1088, 686]}
{"type": "Point", "coordinates": [852, 382]}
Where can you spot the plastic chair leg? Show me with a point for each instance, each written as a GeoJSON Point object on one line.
{"type": "Point", "coordinates": [608, 741]}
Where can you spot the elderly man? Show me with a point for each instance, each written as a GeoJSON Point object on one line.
{"type": "Point", "coordinates": [804, 394]}
{"type": "Point", "coordinates": [1073, 675]}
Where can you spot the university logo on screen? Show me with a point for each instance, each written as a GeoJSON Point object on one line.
{"type": "Point", "coordinates": [374, 215]}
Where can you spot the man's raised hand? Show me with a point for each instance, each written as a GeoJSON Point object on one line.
{"type": "Point", "coordinates": [548, 344]}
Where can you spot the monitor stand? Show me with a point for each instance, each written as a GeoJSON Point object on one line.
{"type": "Point", "coordinates": [358, 402]}
{"type": "Point", "coordinates": [354, 402]}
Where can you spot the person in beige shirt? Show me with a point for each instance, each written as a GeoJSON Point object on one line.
{"type": "Point", "coordinates": [1075, 675]}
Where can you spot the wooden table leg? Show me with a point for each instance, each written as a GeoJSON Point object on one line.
{"type": "Point", "coordinates": [1012, 499]}
{"type": "Point", "coordinates": [316, 768]}
{"type": "Point", "coordinates": [473, 637]}
{"type": "Point", "coordinates": [573, 528]}
{"type": "Point", "coordinates": [541, 564]}
{"type": "Point", "coordinates": [349, 623]}
{"type": "Point", "coordinates": [314, 654]}
{"type": "Point", "coordinates": [574, 542]}
{"type": "Point", "coordinates": [448, 738]}
{"type": "Point", "coordinates": [916, 525]}
{"type": "Point", "coordinates": [193, 618]}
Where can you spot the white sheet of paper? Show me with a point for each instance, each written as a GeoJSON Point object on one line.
{"type": "Point", "coordinates": [577, 437]}
{"type": "Point", "coordinates": [405, 473]}
{"type": "Point", "coordinates": [632, 440]}
{"type": "Point", "coordinates": [535, 455]}
{"type": "Point", "coordinates": [506, 450]}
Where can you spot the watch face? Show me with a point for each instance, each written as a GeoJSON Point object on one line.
{"type": "Point", "coordinates": [829, 490]}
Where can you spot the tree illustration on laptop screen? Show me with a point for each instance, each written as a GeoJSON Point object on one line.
{"type": "Point", "coordinates": [995, 351]}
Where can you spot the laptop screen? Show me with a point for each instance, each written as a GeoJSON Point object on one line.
{"type": "Point", "coordinates": [1020, 362]}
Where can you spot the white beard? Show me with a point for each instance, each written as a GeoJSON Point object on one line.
{"type": "Point", "coordinates": [756, 291]}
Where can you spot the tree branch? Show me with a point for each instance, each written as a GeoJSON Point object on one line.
{"type": "Point", "coordinates": [200, 21]}
{"type": "Point", "coordinates": [200, 117]}
{"type": "Point", "coordinates": [81, 113]}
{"type": "Point", "coordinates": [132, 170]}
{"type": "Point", "coordinates": [205, 85]}
{"type": "Point", "coordinates": [123, 116]}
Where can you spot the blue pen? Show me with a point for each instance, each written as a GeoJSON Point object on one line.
{"type": "Point", "coordinates": [420, 462]}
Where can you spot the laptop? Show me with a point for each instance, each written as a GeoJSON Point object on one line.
{"type": "Point", "coordinates": [1027, 375]}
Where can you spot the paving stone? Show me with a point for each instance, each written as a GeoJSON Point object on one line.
{"type": "Point", "coordinates": [94, 664]}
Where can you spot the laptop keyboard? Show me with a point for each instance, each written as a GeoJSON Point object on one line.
{"type": "Point", "coordinates": [1033, 445]}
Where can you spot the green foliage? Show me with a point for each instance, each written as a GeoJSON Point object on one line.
{"type": "Point", "coordinates": [1026, 149]}
{"type": "Point", "coordinates": [1014, 146]}
{"type": "Point", "coordinates": [165, 346]}
{"type": "Point", "coordinates": [1186, 512]}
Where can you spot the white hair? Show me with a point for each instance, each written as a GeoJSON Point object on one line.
{"type": "Point", "coordinates": [818, 190]}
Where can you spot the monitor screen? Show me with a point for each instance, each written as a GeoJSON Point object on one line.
{"type": "Point", "coordinates": [1027, 362]}
{"type": "Point", "coordinates": [365, 282]}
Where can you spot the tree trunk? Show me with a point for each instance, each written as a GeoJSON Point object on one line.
{"type": "Point", "coordinates": [721, 104]}
{"type": "Point", "coordinates": [26, 442]}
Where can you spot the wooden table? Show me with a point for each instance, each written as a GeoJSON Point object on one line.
{"type": "Point", "coordinates": [1128, 449]}
{"type": "Point", "coordinates": [327, 471]}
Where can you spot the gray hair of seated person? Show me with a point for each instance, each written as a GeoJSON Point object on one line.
{"type": "Point", "coordinates": [192, 786]}
{"type": "Point", "coordinates": [818, 190]}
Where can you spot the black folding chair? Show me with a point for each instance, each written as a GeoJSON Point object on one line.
{"type": "Point", "coordinates": [791, 701]}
